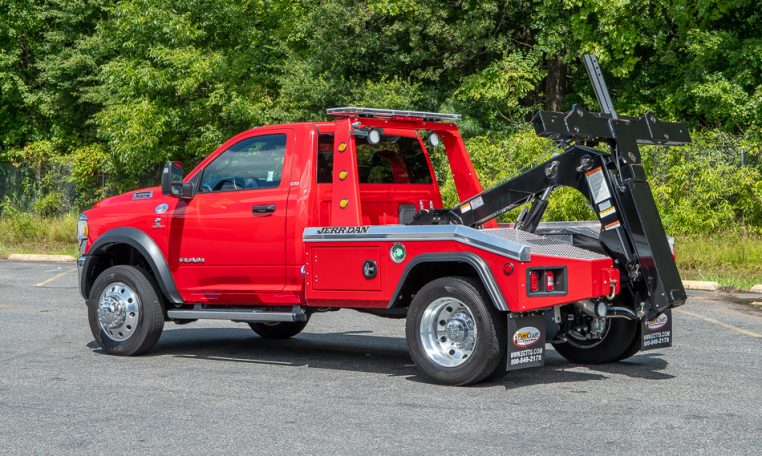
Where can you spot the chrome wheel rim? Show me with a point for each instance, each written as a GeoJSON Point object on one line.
{"type": "Point", "coordinates": [118, 311]}
{"type": "Point", "coordinates": [448, 332]}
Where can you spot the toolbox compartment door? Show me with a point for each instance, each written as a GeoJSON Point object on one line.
{"type": "Point", "coordinates": [345, 268]}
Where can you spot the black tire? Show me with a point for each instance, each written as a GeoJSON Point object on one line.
{"type": "Point", "coordinates": [489, 347]}
{"type": "Point", "coordinates": [150, 317]}
{"type": "Point", "coordinates": [626, 299]}
{"type": "Point", "coordinates": [614, 344]}
{"type": "Point", "coordinates": [279, 330]}
{"type": "Point", "coordinates": [634, 346]}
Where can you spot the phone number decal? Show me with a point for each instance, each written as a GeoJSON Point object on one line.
{"type": "Point", "coordinates": [661, 337]}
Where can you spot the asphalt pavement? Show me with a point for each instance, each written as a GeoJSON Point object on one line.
{"type": "Point", "coordinates": [347, 385]}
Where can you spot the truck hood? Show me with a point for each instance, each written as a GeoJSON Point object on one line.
{"type": "Point", "coordinates": [143, 194]}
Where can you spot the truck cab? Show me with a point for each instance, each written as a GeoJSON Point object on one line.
{"type": "Point", "coordinates": [238, 238]}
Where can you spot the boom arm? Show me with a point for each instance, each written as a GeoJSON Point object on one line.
{"type": "Point", "coordinates": [614, 184]}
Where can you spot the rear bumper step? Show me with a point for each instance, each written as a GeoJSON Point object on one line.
{"type": "Point", "coordinates": [296, 314]}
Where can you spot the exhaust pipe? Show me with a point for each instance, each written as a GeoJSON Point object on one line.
{"type": "Point", "coordinates": [601, 310]}
{"type": "Point", "coordinates": [621, 312]}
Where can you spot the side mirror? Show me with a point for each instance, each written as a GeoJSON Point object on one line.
{"type": "Point", "coordinates": [172, 182]}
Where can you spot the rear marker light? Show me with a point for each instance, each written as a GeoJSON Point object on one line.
{"type": "Point", "coordinates": [549, 282]}
{"type": "Point", "coordinates": [534, 281]}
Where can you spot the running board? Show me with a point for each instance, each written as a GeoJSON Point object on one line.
{"type": "Point", "coordinates": [297, 314]}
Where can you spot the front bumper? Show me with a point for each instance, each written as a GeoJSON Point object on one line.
{"type": "Point", "coordinates": [80, 268]}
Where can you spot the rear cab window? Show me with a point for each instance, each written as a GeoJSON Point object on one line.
{"type": "Point", "coordinates": [395, 160]}
{"type": "Point", "coordinates": [395, 177]}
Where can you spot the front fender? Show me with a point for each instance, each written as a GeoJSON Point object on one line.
{"type": "Point", "coordinates": [144, 245]}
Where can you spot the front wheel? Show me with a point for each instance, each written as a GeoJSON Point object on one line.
{"type": "Point", "coordinates": [454, 333]}
{"type": "Point", "coordinates": [124, 310]}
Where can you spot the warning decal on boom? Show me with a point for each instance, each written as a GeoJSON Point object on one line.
{"type": "Point", "coordinates": [598, 188]}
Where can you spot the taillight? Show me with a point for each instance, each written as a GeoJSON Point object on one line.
{"type": "Point", "coordinates": [549, 281]}
{"type": "Point", "coordinates": [534, 281]}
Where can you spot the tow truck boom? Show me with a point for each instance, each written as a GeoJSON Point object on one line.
{"type": "Point", "coordinates": [614, 184]}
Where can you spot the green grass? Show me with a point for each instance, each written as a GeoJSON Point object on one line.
{"type": "Point", "coordinates": [733, 260]}
{"type": "Point", "coordinates": [26, 233]}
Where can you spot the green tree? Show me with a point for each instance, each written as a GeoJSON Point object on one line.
{"type": "Point", "coordinates": [96, 94]}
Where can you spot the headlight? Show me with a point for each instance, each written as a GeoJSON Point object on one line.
{"type": "Point", "coordinates": [82, 230]}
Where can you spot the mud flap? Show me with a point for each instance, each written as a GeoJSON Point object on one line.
{"type": "Point", "coordinates": [656, 332]}
{"type": "Point", "coordinates": [526, 341]}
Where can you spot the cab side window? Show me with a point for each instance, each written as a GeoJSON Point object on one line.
{"type": "Point", "coordinates": [249, 164]}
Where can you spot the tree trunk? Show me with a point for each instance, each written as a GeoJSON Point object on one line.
{"type": "Point", "coordinates": [555, 83]}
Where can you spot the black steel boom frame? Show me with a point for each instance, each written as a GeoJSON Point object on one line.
{"type": "Point", "coordinates": [632, 232]}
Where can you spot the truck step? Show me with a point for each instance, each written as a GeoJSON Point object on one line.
{"type": "Point", "coordinates": [295, 314]}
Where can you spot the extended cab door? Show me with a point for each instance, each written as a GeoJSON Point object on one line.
{"type": "Point", "coordinates": [228, 243]}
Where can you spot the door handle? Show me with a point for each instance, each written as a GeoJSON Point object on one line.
{"type": "Point", "coordinates": [263, 209]}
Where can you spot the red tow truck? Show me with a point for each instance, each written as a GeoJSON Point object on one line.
{"type": "Point", "coordinates": [284, 221]}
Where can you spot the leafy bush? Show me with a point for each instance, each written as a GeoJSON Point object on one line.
{"type": "Point", "coordinates": [50, 205]}
{"type": "Point", "coordinates": [20, 226]}
{"type": "Point", "coordinates": [704, 187]}
{"type": "Point", "coordinates": [89, 169]}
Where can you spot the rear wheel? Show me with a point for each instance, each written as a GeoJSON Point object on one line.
{"type": "Point", "coordinates": [616, 342]}
{"type": "Point", "coordinates": [634, 346]}
{"type": "Point", "coordinates": [455, 335]}
{"type": "Point", "coordinates": [278, 330]}
{"type": "Point", "coordinates": [125, 311]}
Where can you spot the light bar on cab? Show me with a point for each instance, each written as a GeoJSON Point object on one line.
{"type": "Point", "coordinates": [354, 111]}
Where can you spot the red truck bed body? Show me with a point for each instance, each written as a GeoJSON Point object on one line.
{"type": "Point", "coordinates": [334, 274]}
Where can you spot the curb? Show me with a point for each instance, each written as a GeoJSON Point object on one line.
{"type": "Point", "coordinates": [47, 258]}
{"type": "Point", "coordinates": [700, 285]}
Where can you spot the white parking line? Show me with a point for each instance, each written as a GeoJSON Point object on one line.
{"type": "Point", "coordinates": [57, 276]}
{"type": "Point", "coordinates": [721, 323]}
